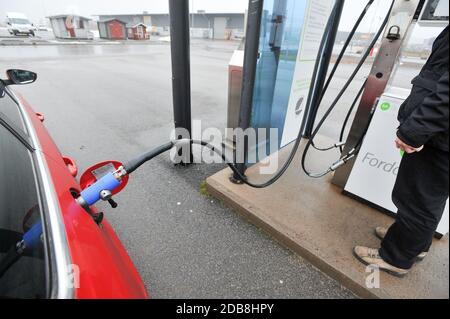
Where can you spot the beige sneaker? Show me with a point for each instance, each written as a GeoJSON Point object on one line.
{"type": "Point", "coordinates": [372, 257]}
{"type": "Point", "coordinates": [381, 233]}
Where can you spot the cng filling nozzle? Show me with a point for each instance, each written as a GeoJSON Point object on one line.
{"type": "Point", "coordinates": [104, 188]}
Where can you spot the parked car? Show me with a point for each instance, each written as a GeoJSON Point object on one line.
{"type": "Point", "coordinates": [44, 28]}
{"type": "Point", "coordinates": [50, 247]}
{"type": "Point", "coordinates": [18, 24]}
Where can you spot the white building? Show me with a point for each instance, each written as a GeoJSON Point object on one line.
{"type": "Point", "coordinates": [71, 27]}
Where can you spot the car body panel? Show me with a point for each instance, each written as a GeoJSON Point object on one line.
{"type": "Point", "coordinates": [105, 268]}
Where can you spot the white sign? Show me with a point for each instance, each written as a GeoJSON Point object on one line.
{"type": "Point", "coordinates": [376, 168]}
{"type": "Point", "coordinates": [317, 15]}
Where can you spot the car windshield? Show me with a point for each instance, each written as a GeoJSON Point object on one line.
{"type": "Point", "coordinates": [19, 21]}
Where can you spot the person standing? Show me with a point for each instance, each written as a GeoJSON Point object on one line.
{"type": "Point", "coordinates": [422, 187]}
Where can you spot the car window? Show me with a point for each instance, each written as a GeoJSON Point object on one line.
{"type": "Point", "coordinates": [19, 21]}
{"type": "Point", "coordinates": [22, 268]}
{"type": "Point", "coordinates": [10, 108]}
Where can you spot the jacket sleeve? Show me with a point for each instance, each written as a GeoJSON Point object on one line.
{"type": "Point", "coordinates": [430, 118]}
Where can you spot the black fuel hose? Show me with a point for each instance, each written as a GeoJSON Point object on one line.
{"type": "Point", "coordinates": [131, 166]}
{"type": "Point", "coordinates": [134, 164]}
{"type": "Point", "coordinates": [349, 114]}
{"type": "Point", "coordinates": [336, 65]}
{"type": "Point", "coordinates": [241, 177]}
{"type": "Point", "coordinates": [344, 49]}
{"type": "Point", "coordinates": [346, 157]}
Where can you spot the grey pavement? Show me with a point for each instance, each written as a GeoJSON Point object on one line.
{"type": "Point", "coordinates": [114, 102]}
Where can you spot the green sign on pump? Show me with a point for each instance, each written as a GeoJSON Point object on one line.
{"type": "Point", "coordinates": [385, 106]}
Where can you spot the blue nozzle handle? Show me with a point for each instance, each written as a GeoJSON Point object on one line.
{"type": "Point", "coordinates": [91, 195]}
{"type": "Point", "coordinates": [32, 238]}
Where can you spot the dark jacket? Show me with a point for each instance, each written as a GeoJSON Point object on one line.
{"type": "Point", "coordinates": [424, 118]}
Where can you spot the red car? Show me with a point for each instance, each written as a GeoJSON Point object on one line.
{"type": "Point", "coordinates": [50, 247]}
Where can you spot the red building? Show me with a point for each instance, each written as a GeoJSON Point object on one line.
{"type": "Point", "coordinates": [112, 29]}
{"type": "Point", "coordinates": [138, 32]}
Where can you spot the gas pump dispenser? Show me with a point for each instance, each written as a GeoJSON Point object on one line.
{"type": "Point", "coordinates": [373, 175]}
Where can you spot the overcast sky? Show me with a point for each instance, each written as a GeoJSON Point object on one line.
{"type": "Point", "coordinates": [36, 10]}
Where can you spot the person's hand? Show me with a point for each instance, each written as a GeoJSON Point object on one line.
{"type": "Point", "coordinates": [407, 148]}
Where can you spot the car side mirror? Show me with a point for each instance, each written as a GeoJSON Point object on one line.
{"type": "Point", "coordinates": [20, 77]}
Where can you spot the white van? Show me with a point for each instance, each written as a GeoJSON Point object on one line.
{"type": "Point", "coordinates": [18, 24]}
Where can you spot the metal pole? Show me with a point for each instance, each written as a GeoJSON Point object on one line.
{"type": "Point", "coordinates": [321, 68]}
{"type": "Point", "coordinates": [255, 9]}
{"type": "Point", "coordinates": [181, 67]}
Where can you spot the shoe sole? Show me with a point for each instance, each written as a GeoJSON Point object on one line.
{"type": "Point", "coordinates": [390, 272]}
{"type": "Point", "coordinates": [419, 259]}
